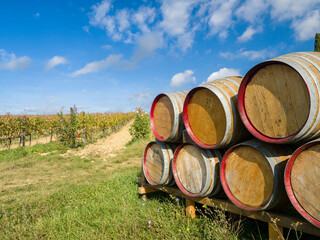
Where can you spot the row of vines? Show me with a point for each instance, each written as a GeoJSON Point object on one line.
{"type": "Point", "coordinates": [82, 124]}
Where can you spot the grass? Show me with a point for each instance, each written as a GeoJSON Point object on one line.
{"type": "Point", "coordinates": [48, 194]}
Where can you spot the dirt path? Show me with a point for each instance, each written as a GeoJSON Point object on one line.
{"type": "Point", "coordinates": [105, 147]}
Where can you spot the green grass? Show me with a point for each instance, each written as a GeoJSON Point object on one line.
{"type": "Point", "coordinates": [59, 196]}
{"type": "Point", "coordinates": [110, 209]}
{"type": "Point", "coordinates": [20, 152]}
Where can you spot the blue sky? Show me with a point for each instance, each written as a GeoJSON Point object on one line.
{"type": "Point", "coordinates": [116, 55]}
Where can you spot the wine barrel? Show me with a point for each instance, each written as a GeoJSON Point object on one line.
{"type": "Point", "coordinates": [197, 171]}
{"type": "Point", "coordinates": [166, 116]}
{"type": "Point", "coordinates": [301, 178]}
{"type": "Point", "coordinates": [156, 163]}
{"type": "Point", "coordinates": [252, 175]}
{"type": "Point", "coordinates": [210, 114]}
{"type": "Point", "coordinates": [278, 99]}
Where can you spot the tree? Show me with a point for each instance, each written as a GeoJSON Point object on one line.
{"type": "Point", "coordinates": [317, 42]}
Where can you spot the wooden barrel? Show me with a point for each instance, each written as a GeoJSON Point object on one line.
{"type": "Point", "coordinates": [302, 176]}
{"type": "Point", "coordinates": [252, 175]}
{"type": "Point", "coordinates": [156, 163]}
{"type": "Point", "coordinates": [279, 101]}
{"type": "Point", "coordinates": [210, 114]}
{"type": "Point", "coordinates": [166, 116]}
{"type": "Point", "coordinates": [197, 171]}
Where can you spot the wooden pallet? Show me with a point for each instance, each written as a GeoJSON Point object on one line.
{"type": "Point", "coordinates": [276, 221]}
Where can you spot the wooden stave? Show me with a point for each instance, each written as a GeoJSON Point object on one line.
{"type": "Point", "coordinates": [279, 197]}
{"type": "Point", "coordinates": [213, 185]}
{"type": "Point", "coordinates": [313, 120]}
{"type": "Point", "coordinates": [177, 100]}
{"type": "Point", "coordinates": [288, 186]}
{"type": "Point", "coordinates": [168, 152]}
{"type": "Point", "coordinates": [236, 132]}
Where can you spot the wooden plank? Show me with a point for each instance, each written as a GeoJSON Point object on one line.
{"type": "Point", "coordinates": [275, 232]}
{"type": "Point", "coordinates": [296, 223]}
{"type": "Point", "coordinates": [190, 208]}
{"type": "Point", "coordinates": [144, 190]}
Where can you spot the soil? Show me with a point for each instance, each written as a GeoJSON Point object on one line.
{"type": "Point", "coordinates": [105, 147]}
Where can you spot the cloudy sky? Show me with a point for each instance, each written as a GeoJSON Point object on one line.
{"type": "Point", "coordinates": [116, 55]}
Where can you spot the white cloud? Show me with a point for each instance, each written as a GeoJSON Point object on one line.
{"type": "Point", "coordinates": [220, 16]}
{"type": "Point", "coordinates": [307, 28]}
{"type": "Point", "coordinates": [122, 25]}
{"type": "Point", "coordinates": [147, 44]}
{"type": "Point", "coordinates": [122, 18]}
{"type": "Point", "coordinates": [112, 60]}
{"type": "Point", "coordinates": [249, 54]}
{"type": "Point", "coordinates": [107, 46]}
{"type": "Point", "coordinates": [10, 62]}
{"type": "Point", "coordinates": [304, 16]}
{"type": "Point", "coordinates": [186, 40]}
{"type": "Point", "coordinates": [223, 72]}
{"type": "Point", "coordinates": [143, 17]}
{"type": "Point", "coordinates": [140, 97]}
{"type": "Point", "coordinates": [291, 9]}
{"type": "Point", "coordinates": [252, 10]}
{"type": "Point", "coordinates": [99, 18]}
{"type": "Point", "coordinates": [176, 15]}
{"type": "Point", "coordinates": [98, 15]}
{"type": "Point", "coordinates": [248, 34]}
{"type": "Point", "coordinates": [182, 78]}
{"type": "Point", "coordinates": [85, 28]}
{"type": "Point", "coordinates": [56, 60]}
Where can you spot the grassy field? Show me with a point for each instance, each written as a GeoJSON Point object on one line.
{"type": "Point", "coordinates": [46, 193]}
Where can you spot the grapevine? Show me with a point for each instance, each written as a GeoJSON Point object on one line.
{"type": "Point", "coordinates": [87, 124]}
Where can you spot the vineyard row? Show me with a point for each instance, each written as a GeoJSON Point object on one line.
{"type": "Point", "coordinates": [19, 126]}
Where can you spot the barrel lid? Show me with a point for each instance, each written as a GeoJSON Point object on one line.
{"type": "Point", "coordinates": [191, 169]}
{"type": "Point", "coordinates": [204, 117]}
{"type": "Point", "coordinates": [274, 100]}
{"type": "Point", "coordinates": [162, 117]}
{"type": "Point", "coordinates": [248, 176]}
{"type": "Point", "coordinates": [154, 163]}
{"type": "Point", "coordinates": [301, 180]}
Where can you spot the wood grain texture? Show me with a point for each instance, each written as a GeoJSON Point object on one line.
{"type": "Point", "coordinates": [249, 176]}
{"type": "Point", "coordinates": [191, 169]}
{"type": "Point", "coordinates": [211, 116]}
{"type": "Point", "coordinates": [190, 209]}
{"type": "Point", "coordinates": [164, 117]}
{"type": "Point", "coordinates": [207, 117]}
{"type": "Point", "coordinates": [305, 177]}
{"type": "Point", "coordinates": [277, 101]}
{"type": "Point", "coordinates": [155, 162]}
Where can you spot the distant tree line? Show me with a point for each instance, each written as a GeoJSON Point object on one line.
{"type": "Point", "coordinates": [317, 42]}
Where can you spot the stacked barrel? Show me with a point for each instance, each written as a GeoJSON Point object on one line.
{"type": "Point", "coordinates": [244, 135]}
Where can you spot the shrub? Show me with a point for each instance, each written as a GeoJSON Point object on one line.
{"type": "Point", "coordinates": [317, 43]}
{"type": "Point", "coordinates": [67, 128]}
{"type": "Point", "coordinates": [140, 129]}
